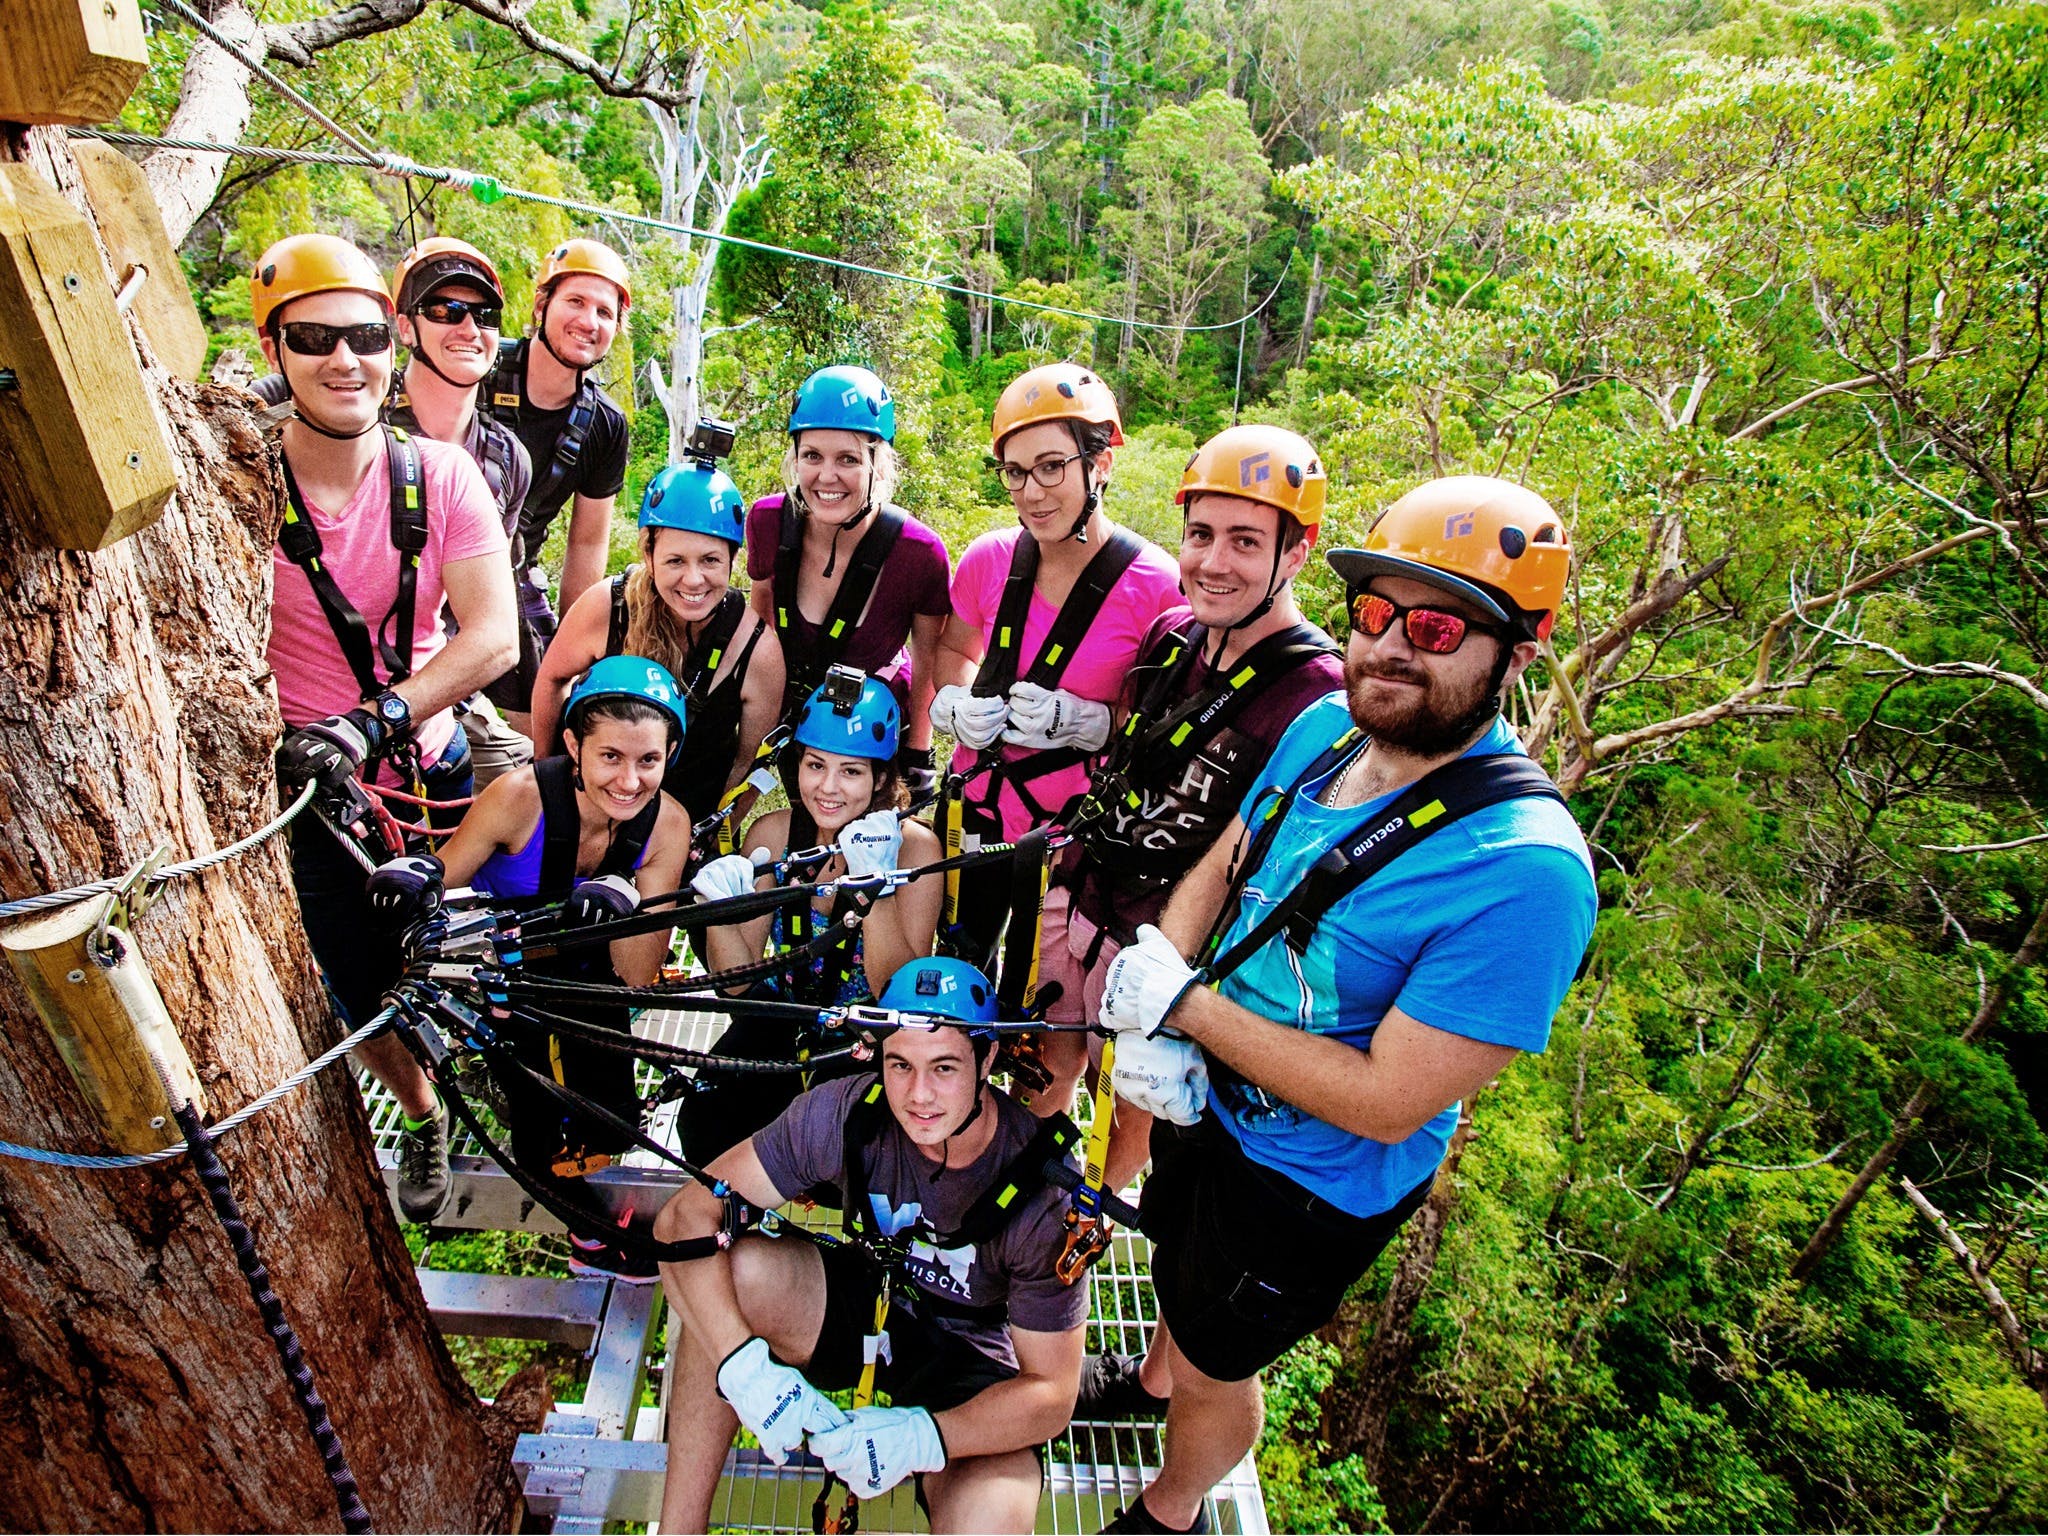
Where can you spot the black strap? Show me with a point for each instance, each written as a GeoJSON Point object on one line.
{"type": "Point", "coordinates": [999, 667]}
{"type": "Point", "coordinates": [1017, 989]}
{"type": "Point", "coordinates": [615, 627]}
{"type": "Point", "coordinates": [1444, 795]}
{"type": "Point", "coordinates": [710, 648]}
{"type": "Point", "coordinates": [562, 831]}
{"type": "Point", "coordinates": [506, 391]}
{"type": "Point", "coordinates": [856, 586]}
{"type": "Point", "coordinates": [300, 543]}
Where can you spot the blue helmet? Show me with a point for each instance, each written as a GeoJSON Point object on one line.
{"type": "Point", "coordinates": [846, 399]}
{"type": "Point", "coordinates": [837, 719]}
{"type": "Point", "coordinates": [629, 677]}
{"type": "Point", "coordinates": [696, 498]}
{"type": "Point", "coordinates": [942, 986]}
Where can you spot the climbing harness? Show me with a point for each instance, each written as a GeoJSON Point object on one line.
{"type": "Point", "coordinates": [299, 541]}
{"type": "Point", "coordinates": [503, 394]}
{"type": "Point", "coordinates": [856, 587]}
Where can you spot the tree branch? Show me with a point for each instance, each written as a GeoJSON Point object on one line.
{"type": "Point", "coordinates": [2032, 1365]}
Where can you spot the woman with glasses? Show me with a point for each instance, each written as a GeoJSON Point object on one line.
{"type": "Point", "coordinates": [846, 577]}
{"type": "Point", "coordinates": [1048, 619]}
{"type": "Point", "coordinates": [381, 530]}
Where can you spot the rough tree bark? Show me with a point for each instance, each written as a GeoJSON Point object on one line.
{"type": "Point", "coordinates": [137, 1390]}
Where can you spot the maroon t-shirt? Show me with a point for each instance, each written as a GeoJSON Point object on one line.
{"type": "Point", "coordinates": [1141, 852]}
{"type": "Point", "coordinates": [1014, 1269]}
{"type": "Point", "coordinates": [914, 580]}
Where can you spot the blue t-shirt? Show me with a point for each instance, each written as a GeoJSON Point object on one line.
{"type": "Point", "coordinates": [1478, 929]}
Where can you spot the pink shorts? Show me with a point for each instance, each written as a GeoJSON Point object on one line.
{"type": "Point", "coordinates": [1064, 937]}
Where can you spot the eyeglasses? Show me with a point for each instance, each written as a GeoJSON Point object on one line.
{"type": "Point", "coordinates": [310, 339]}
{"type": "Point", "coordinates": [1047, 472]}
{"type": "Point", "coordinates": [454, 311]}
{"type": "Point", "coordinates": [1435, 630]}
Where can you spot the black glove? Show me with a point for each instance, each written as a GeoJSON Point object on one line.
{"type": "Point", "coordinates": [919, 769]}
{"type": "Point", "coordinates": [406, 890]}
{"type": "Point", "coordinates": [601, 900]}
{"type": "Point", "coordinates": [329, 751]}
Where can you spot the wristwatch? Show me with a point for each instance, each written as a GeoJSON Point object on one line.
{"type": "Point", "coordinates": [394, 712]}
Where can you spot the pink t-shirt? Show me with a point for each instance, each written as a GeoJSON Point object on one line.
{"type": "Point", "coordinates": [1101, 662]}
{"type": "Point", "coordinates": [313, 676]}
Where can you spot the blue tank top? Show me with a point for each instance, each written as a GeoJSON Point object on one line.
{"type": "Point", "coordinates": [853, 983]}
{"type": "Point", "coordinates": [518, 874]}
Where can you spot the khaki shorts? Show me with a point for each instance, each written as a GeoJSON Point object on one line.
{"type": "Point", "coordinates": [494, 747]}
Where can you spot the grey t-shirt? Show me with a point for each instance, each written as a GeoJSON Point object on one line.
{"type": "Point", "coordinates": [1013, 1270]}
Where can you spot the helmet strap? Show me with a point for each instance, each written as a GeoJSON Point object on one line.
{"type": "Point", "coordinates": [1264, 607]}
{"type": "Point", "coordinates": [547, 341]}
{"type": "Point", "coordinates": [422, 355]}
{"type": "Point", "coordinates": [1079, 532]}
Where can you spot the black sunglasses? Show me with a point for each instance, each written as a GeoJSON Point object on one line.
{"type": "Point", "coordinates": [308, 338]}
{"type": "Point", "coordinates": [454, 311]}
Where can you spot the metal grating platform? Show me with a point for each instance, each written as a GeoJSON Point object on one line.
{"type": "Point", "coordinates": [600, 1462]}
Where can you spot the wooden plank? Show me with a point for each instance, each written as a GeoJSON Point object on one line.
{"type": "Point", "coordinates": [105, 1016]}
{"type": "Point", "coordinates": [69, 61]}
{"type": "Point", "coordinates": [81, 453]}
{"type": "Point", "coordinates": [133, 228]}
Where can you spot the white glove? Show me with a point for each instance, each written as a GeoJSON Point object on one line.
{"type": "Point", "coordinates": [1052, 717]}
{"type": "Point", "coordinates": [871, 843]}
{"type": "Point", "coordinates": [774, 1400]}
{"type": "Point", "coordinates": [1145, 982]}
{"type": "Point", "coordinates": [732, 875]}
{"type": "Point", "coordinates": [970, 720]}
{"type": "Point", "coordinates": [879, 1447]}
{"type": "Point", "coordinates": [1163, 1075]}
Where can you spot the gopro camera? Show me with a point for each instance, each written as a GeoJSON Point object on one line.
{"type": "Point", "coordinates": [710, 440]}
{"type": "Point", "coordinates": [842, 687]}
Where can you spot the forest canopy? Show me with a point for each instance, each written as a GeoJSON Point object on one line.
{"type": "Point", "coordinates": [1753, 293]}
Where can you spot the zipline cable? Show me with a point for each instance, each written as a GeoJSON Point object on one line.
{"type": "Point", "coordinates": [489, 189]}
{"type": "Point", "coordinates": [168, 872]}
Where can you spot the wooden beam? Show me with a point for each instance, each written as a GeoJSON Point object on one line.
{"type": "Point", "coordinates": [102, 1008]}
{"type": "Point", "coordinates": [69, 61]}
{"type": "Point", "coordinates": [133, 229]}
{"type": "Point", "coordinates": [82, 457]}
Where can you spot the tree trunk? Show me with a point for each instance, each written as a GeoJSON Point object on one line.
{"type": "Point", "coordinates": [1906, 1124]}
{"type": "Point", "coordinates": [139, 1390]}
{"type": "Point", "coordinates": [1358, 1421]}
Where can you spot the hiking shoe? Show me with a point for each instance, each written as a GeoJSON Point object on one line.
{"type": "Point", "coordinates": [605, 1260]}
{"type": "Point", "coordinates": [1110, 1389]}
{"type": "Point", "coordinates": [479, 1084]}
{"type": "Point", "coordinates": [1134, 1516]}
{"type": "Point", "coordinates": [424, 1187]}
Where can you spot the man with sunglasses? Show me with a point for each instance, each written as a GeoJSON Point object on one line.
{"type": "Point", "coordinates": [450, 306]}
{"type": "Point", "coordinates": [574, 432]}
{"type": "Point", "coordinates": [1396, 913]}
{"type": "Point", "coordinates": [381, 530]}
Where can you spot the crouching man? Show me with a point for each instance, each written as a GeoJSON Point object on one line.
{"type": "Point", "coordinates": [942, 1281]}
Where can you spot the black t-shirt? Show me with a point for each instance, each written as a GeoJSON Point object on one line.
{"type": "Point", "coordinates": [600, 469]}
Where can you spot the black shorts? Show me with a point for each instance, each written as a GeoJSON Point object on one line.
{"type": "Point", "coordinates": [928, 1367]}
{"type": "Point", "coordinates": [1245, 1262]}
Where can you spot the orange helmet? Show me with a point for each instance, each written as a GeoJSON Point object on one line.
{"type": "Point", "coordinates": [1492, 541]}
{"type": "Point", "coordinates": [439, 260]}
{"type": "Point", "coordinates": [301, 264]}
{"type": "Point", "coordinates": [592, 256]}
{"type": "Point", "coordinates": [1057, 392]}
{"type": "Point", "coordinates": [1268, 464]}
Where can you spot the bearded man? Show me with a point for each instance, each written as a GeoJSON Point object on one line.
{"type": "Point", "coordinates": [1396, 913]}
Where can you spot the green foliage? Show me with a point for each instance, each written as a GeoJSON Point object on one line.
{"type": "Point", "coordinates": [1753, 292]}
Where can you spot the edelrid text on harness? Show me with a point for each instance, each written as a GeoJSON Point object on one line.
{"type": "Point", "coordinates": [1444, 795]}
{"type": "Point", "coordinates": [299, 541]}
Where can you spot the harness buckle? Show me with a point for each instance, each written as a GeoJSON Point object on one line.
{"type": "Point", "coordinates": [1087, 1240]}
